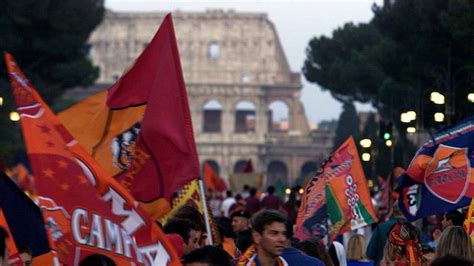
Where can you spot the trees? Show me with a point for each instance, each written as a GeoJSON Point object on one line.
{"type": "Point", "coordinates": [409, 49]}
{"type": "Point", "coordinates": [48, 40]}
{"type": "Point", "coordinates": [348, 125]}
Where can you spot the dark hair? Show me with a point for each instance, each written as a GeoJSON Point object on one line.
{"type": "Point", "coordinates": [246, 187]}
{"type": "Point", "coordinates": [238, 197]}
{"type": "Point", "coordinates": [253, 191]}
{"type": "Point", "coordinates": [270, 189]}
{"type": "Point", "coordinates": [179, 226]}
{"type": "Point", "coordinates": [214, 256]}
{"type": "Point", "coordinates": [243, 240]}
{"type": "Point", "coordinates": [3, 241]}
{"type": "Point", "coordinates": [451, 260]}
{"type": "Point", "coordinates": [97, 260]}
{"type": "Point", "coordinates": [456, 217]}
{"type": "Point", "coordinates": [225, 224]}
{"type": "Point", "coordinates": [228, 193]}
{"type": "Point", "coordinates": [24, 249]}
{"type": "Point", "coordinates": [188, 212]}
{"type": "Point", "coordinates": [267, 217]}
{"type": "Point", "coordinates": [314, 248]}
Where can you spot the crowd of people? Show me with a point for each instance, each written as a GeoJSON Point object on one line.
{"type": "Point", "coordinates": [257, 229]}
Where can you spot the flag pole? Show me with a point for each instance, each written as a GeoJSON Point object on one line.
{"type": "Point", "coordinates": [206, 213]}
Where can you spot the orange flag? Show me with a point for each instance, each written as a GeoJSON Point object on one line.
{"type": "Point", "coordinates": [337, 199]}
{"type": "Point", "coordinates": [85, 209]}
{"type": "Point", "coordinates": [212, 180]}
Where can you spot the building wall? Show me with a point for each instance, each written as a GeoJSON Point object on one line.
{"type": "Point", "coordinates": [227, 57]}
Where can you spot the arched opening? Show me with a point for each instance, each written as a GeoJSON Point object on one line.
{"type": "Point", "coordinates": [239, 166]}
{"type": "Point", "coordinates": [245, 117]}
{"type": "Point", "coordinates": [307, 171]}
{"type": "Point", "coordinates": [278, 116]}
{"type": "Point", "coordinates": [212, 112]}
{"type": "Point", "coordinates": [277, 172]}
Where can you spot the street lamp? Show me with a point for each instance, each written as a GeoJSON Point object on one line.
{"type": "Point", "coordinates": [288, 191]}
{"type": "Point", "coordinates": [365, 143]}
{"type": "Point", "coordinates": [14, 116]}
{"type": "Point", "coordinates": [408, 116]}
{"type": "Point", "coordinates": [439, 117]}
{"type": "Point", "coordinates": [411, 115]}
{"type": "Point", "coordinates": [388, 143]}
{"type": "Point", "coordinates": [470, 97]}
{"type": "Point", "coordinates": [365, 156]}
{"type": "Point", "coordinates": [411, 130]}
{"type": "Point", "coordinates": [437, 97]}
{"type": "Point", "coordinates": [1, 101]}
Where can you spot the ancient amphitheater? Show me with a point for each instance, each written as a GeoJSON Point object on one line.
{"type": "Point", "coordinates": [236, 73]}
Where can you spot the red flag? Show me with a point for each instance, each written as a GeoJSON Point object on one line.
{"type": "Point", "coordinates": [212, 180]}
{"type": "Point", "coordinates": [248, 167]}
{"type": "Point", "coordinates": [165, 156]}
{"type": "Point", "coordinates": [86, 211]}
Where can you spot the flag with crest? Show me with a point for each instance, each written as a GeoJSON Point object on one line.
{"type": "Point", "coordinates": [337, 199]}
{"type": "Point", "coordinates": [144, 126]}
{"type": "Point", "coordinates": [440, 176]}
{"type": "Point", "coordinates": [85, 210]}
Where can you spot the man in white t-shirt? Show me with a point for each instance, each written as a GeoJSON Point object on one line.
{"type": "Point", "coordinates": [227, 203]}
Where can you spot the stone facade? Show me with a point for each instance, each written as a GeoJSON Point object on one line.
{"type": "Point", "coordinates": [228, 59]}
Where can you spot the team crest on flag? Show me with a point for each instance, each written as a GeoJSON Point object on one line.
{"type": "Point", "coordinates": [447, 174]}
{"type": "Point", "coordinates": [440, 178]}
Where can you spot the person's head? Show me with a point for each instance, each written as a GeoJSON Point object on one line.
{"type": "Point", "coordinates": [25, 255]}
{"type": "Point", "coordinates": [228, 194]}
{"type": "Point", "coordinates": [271, 190]}
{"type": "Point", "coordinates": [356, 247]}
{"type": "Point", "coordinates": [314, 248]}
{"type": "Point", "coordinates": [243, 240]}
{"type": "Point", "coordinates": [238, 197]}
{"type": "Point", "coordinates": [253, 191]}
{"type": "Point", "coordinates": [246, 187]}
{"type": "Point", "coordinates": [191, 213]}
{"type": "Point", "coordinates": [451, 260]}
{"type": "Point", "coordinates": [455, 241]}
{"type": "Point", "coordinates": [207, 256]}
{"type": "Point", "coordinates": [403, 244]}
{"type": "Point", "coordinates": [187, 230]}
{"type": "Point", "coordinates": [97, 260]}
{"type": "Point", "coordinates": [240, 221]}
{"type": "Point", "coordinates": [269, 232]}
{"type": "Point", "coordinates": [452, 218]}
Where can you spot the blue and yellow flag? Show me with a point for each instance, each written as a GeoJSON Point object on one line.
{"type": "Point", "coordinates": [440, 176]}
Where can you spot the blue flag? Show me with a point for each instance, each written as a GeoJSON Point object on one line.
{"type": "Point", "coordinates": [440, 177]}
{"type": "Point", "coordinates": [23, 217]}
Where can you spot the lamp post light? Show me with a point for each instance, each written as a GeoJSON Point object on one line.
{"type": "Point", "coordinates": [437, 98]}
{"type": "Point", "coordinates": [411, 130]}
{"type": "Point", "coordinates": [470, 97]}
{"type": "Point", "coordinates": [365, 143]}
{"type": "Point", "coordinates": [366, 157]}
{"type": "Point", "coordinates": [439, 117]}
{"type": "Point", "coordinates": [14, 116]}
{"type": "Point", "coordinates": [388, 143]}
{"type": "Point", "coordinates": [1, 101]}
